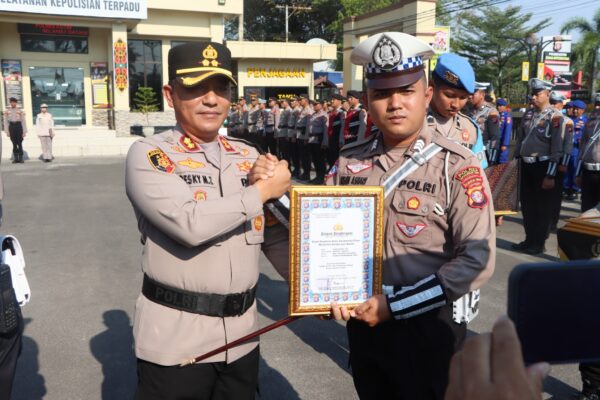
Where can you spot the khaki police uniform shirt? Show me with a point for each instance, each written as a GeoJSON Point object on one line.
{"type": "Point", "coordinates": [302, 123]}
{"type": "Point", "coordinates": [543, 133]}
{"type": "Point", "coordinates": [202, 229]}
{"type": "Point", "coordinates": [14, 115]}
{"type": "Point", "coordinates": [284, 118]}
{"type": "Point", "coordinates": [460, 245]}
{"type": "Point", "coordinates": [590, 151]}
{"type": "Point", "coordinates": [461, 128]}
{"type": "Point", "coordinates": [44, 124]}
{"type": "Point", "coordinates": [317, 128]}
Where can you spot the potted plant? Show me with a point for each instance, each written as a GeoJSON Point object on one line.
{"type": "Point", "coordinates": [145, 102]}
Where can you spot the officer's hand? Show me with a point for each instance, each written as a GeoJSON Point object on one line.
{"type": "Point", "coordinates": [277, 185]}
{"type": "Point", "coordinates": [373, 311]}
{"type": "Point", "coordinates": [578, 181]}
{"type": "Point", "coordinates": [491, 367]}
{"type": "Point", "coordinates": [562, 168]}
{"type": "Point", "coordinates": [548, 183]}
{"type": "Point", "coordinates": [342, 312]}
{"type": "Point", "coordinates": [263, 168]}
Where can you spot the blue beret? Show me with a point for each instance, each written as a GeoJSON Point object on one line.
{"type": "Point", "coordinates": [579, 104]}
{"type": "Point", "coordinates": [569, 104]}
{"type": "Point", "coordinates": [501, 102]}
{"type": "Point", "coordinates": [455, 71]}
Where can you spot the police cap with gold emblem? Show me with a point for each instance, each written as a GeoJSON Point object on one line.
{"type": "Point", "coordinates": [191, 63]}
{"type": "Point", "coordinates": [391, 59]}
{"type": "Point", "coordinates": [455, 71]}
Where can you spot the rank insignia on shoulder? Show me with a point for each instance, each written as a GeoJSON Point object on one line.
{"type": "Point", "coordinates": [191, 163]}
{"type": "Point", "coordinates": [199, 195]}
{"type": "Point", "coordinates": [243, 152]}
{"type": "Point", "coordinates": [226, 145]}
{"type": "Point", "coordinates": [160, 162]}
{"type": "Point", "coordinates": [189, 144]}
{"type": "Point", "coordinates": [410, 230]}
{"type": "Point", "coordinates": [246, 166]}
{"type": "Point", "coordinates": [471, 179]}
{"type": "Point", "coordinates": [413, 203]}
{"type": "Point", "coordinates": [359, 167]}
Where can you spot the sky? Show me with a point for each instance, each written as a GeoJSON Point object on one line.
{"type": "Point", "coordinates": [559, 11]}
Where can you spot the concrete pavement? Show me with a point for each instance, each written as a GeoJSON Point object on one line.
{"type": "Point", "coordinates": [83, 254]}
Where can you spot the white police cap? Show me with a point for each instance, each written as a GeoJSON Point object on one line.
{"type": "Point", "coordinates": [391, 59]}
{"type": "Point", "coordinates": [481, 85]}
{"type": "Point", "coordinates": [536, 84]}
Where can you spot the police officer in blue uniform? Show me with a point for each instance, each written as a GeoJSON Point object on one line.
{"type": "Point", "coordinates": [579, 121]}
{"type": "Point", "coordinates": [506, 126]}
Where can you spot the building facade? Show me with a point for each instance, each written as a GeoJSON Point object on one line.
{"type": "Point", "coordinates": [86, 59]}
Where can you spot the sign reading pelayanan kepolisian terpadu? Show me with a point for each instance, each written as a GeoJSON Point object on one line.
{"type": "Point", "coordinates": [126, 9]}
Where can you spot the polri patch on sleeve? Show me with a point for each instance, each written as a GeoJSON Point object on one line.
{"type": "Point", "coordinates": [160, 162]}
{"type": "Point", "coordinates": [471, 179]}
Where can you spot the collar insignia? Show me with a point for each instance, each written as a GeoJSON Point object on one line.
{"type": "Point", "coordinates": [226, 145]}
{"type": "Point", "coordinates": [189, 145]}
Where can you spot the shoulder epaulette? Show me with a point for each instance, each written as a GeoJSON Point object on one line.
{"type": "Point", "coordinates": [358, 144]}
{"type": "Point", "coordinates": [453, 147]}
{"type": "Point", "coordinates": [246, 142]}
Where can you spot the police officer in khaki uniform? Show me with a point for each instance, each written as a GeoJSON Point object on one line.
{"type": "Point", "coordinates": [439, 229]}
{"type": "Point", "coordinates": [488, 119]}
{"type": "Point", "coordinates": [254, 115]}
{"type": "Point", "coordinates": [15, 128]}
{"type": "Point", "coordinates": [302, 137]}
{"type": "Point", "coordinates": [355, 123]}
{"type": "Point", "coordinates": [544, 153]}
{"type": "Point", "coordinates": [318, 140]}
{"type": "Point", "coordinates": [271, 118]}
{"type": "Point", "coordinates": [588, 167]}
{"type": "Point", "coordinates": [44, 125]}
{"type": "Point", "coordinates": [202, 227]}
{"type": "Point", "coordinates": [283, 143]}
{"type": "Point", "coordinates": [294, 145]}
{"type": "Point", "coordinates": [335, 129]}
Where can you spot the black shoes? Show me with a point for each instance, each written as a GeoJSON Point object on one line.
{"type": "Point", "coordinates": [319, 180]}
{"type": "Point", "coordinates": [304, 177]}
{"type": "Point", "coordinates": [526, 248]}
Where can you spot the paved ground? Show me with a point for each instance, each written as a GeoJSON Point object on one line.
{"type": "Point", "coordinates": [83, 252]}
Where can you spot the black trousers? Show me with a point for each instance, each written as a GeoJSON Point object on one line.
{"type": "Point", "coordinates": [15, 130]}
{"type": "Point", "coordinates": [204, 381]}
{"type": "Point", "coordinates": [538, 205]}
{"type": "Point", "coordinates": [333, 150]}
{"type": "Point", "coordinates": [10, 349]}
{"type": "Point", "coordinates": [590, 189]}
{"type": "Point", "coordinates": [284, 150]}
{"type": "Point", "coordinates": [318, 159]}
{"type": "Point", "coordinates": [295, 155]}
{"type": "Point", "coordinates": [304, 151]}
{"type": "Point", "coordinates": [270, 143]}
{"type": "Point", "coordinates": [404, 360]}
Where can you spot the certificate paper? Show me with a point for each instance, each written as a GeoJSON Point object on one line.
{"type": "Point", "coordinates": [335, 247]}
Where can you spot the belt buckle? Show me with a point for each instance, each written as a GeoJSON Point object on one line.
{"type": "Point", "coordinates": [232, 305]}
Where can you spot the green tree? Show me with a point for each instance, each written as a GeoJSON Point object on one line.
{"type": "Point", "coordinates": [145, 101]}
{"type": "Point", "coordinates": [588, 46]}
{"type": "Point", "coordinates": [495, 41]}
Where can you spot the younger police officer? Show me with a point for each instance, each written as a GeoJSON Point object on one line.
{"type": "Point", "coordinates": [15, 128]}
{"type": "Point", "coordinates": [202, 227]}
{"type": "Point", "coordinates": [486, 116]}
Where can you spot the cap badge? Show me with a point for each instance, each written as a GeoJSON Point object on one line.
{"type": "Point", "coordinates": [451, 77]}
{"type": "Point", "coordinates": [210, 54]}
{"type": "Point", "coordinates": [387, 54]}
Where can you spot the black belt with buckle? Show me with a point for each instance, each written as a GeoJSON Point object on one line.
{"type": "Point", "coordinates": [211, 304]}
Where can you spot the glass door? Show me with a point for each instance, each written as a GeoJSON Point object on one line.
{"type": "Point", "coordinates": [62, 90]}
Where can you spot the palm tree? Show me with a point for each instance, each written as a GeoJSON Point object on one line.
{"type": "Point", "coordinates": [589, 43]}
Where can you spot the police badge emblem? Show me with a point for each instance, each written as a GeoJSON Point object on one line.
{"type": "Point", "coordinates": [387, 53]}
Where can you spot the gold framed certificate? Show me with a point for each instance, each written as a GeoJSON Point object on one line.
{"type": "Point", "coordinates": [336, 246]}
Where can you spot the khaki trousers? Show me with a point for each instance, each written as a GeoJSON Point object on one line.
{"type": "Point", "coordinates": [46, 147]}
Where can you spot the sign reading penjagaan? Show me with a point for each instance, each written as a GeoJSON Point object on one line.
{"type": "Point", "coordinates": [128, 9]}
{"type": "Point", "coordinates": [275, 72]}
